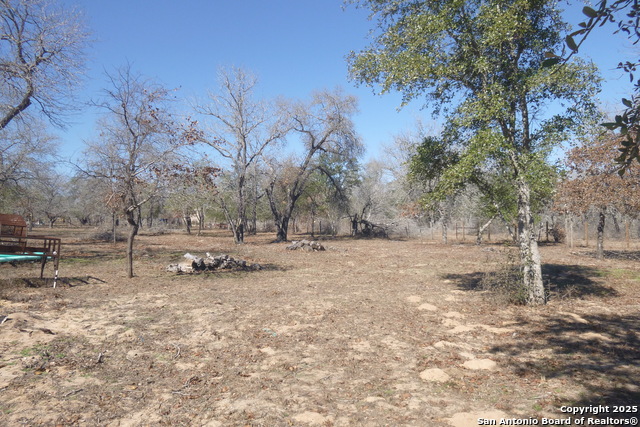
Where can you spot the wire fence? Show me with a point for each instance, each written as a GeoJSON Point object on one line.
{"type": "Point", "coordinates": [570, 231]}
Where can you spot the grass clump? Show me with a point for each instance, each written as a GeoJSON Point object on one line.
{"type": "Point", "coordinates": [107, 236]}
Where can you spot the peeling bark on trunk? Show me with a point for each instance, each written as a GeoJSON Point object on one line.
{"type": "Point", "coordinates": [529, 253]}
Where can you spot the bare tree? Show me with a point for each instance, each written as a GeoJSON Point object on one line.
{"type": "Point", "coordinates": [86, 202]}
{"type": "Point", "coordinates": [41, 58]}
{"type": "Point", "coordinates": [371, 197]}
{"type": "Point", "coordinates": [24, 150]}
{"type": "Point", "coordinates": [406, 192]}
{"type": "Point", "coordinates": [189, 191]}
{"type": "Point", "coordinates": [137, 139]}
{"type": "Point", "coordinates": [241, 130]}
{"type": "Point", "coordinates": [324, 126]}
{"type": "Point", "coordinates": [49, 191]}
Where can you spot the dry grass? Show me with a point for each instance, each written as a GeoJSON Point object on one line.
{"type": "Point", "coordinates": [350, 336]}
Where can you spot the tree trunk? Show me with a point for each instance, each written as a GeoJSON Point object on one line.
{"type": "Point", "coordinates": [139, 219]}
{"type": "Point", "coordinates": [238, 232]}
{"type": "Point", "coordinates": [354, 224]}
{"type": "Point", "coordinates": [627, 235]}
{"type": "Point", "coordinates": [113, 227]}
{"type": "Point", "coordinates": [282, 226]}
{"type": "Point", "coordinates": [616, 224]}
{"type": "Point", "coordinates": [313, 223]}
{"type": "Point", "coordinates": [281, 220]}
{"type": "Point", "coordinates": [187, 223]}
{"type": "Point", "coordinates": [445, 212]}
{"type": "Point", "coordinates": [571, 232]}
{"type": "Point", "coordinates": [134, 223]}
{"type": "Point", "coordinates": [482, 229]}
{"type": "Point", "coordinates": [200, 215]}
{"type": "Point", "coordinates": [600, 242]}
{"type": "Point", "coordinates": [529, 253]}
{"type": "Point", "coordinates": [444, 231]}
{"type": "Point", "coordinates": [241, 221]}
{"type": "Point", "coordinates": [514, 239]}
{"type": "Point", "coordinates": [23, 105]}
{"type": "Point", "coordinates": [253, 230]}
{"type": "Point", "coordinates": [237, 227]}
{"type": "Point", "coordinates": [150, 217]}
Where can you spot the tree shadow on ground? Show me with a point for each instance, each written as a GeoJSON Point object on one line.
{"type": "Point", "coordinates": [272, 267]}
{"type": "Point", "coordinates": [23, 282]}
{"type": "Point", "coordinates": [621, 255]}
{"type": "Point", "coordinates": [47, 282]}
{"type": "Point", "coordinates": [565, 281]}
{"type": "Point", "coordinates": [467, 281]}
{"type": "Point", "coordinates": [73, 282]}
{"type": "Point", "coordinates": [600, 352]}
{"type": "Point", "coordinates": [577, 281]}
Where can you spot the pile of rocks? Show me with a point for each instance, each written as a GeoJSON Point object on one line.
{"type": "Point", "coordinates": [211, 263]}
{"type": "Point", "coordinates": [306, 245]}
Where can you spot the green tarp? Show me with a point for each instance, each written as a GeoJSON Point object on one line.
{"type": "Point", "coordinates": [19, 258]}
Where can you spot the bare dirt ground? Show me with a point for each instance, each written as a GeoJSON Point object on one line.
{"type": "Point", "coordinates": [367, 333]}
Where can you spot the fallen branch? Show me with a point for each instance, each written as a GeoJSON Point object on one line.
{"type": "Point", "coordinates": [178, 352]}
{"type": "Point", "coordinates": [71, 393]}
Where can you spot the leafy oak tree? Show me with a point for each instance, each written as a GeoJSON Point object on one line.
{"type": "Point", "coordinates": [480, 63]}
{"type": "Point", "coordinates": [427, 165]}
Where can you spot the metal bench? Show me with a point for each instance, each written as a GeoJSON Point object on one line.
{"type": "Point", "coordinates": [16, 246]}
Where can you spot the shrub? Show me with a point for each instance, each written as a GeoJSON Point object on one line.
{"type": "Point", "coordinates": [107, 236]}
{"type": "Point", "coordinates": [506, 284]}
{"type": "Point", "coordinates": [558, 234]}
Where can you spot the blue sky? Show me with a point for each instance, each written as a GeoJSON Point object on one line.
{"type": "Point", "coordinates": [293, 46]}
